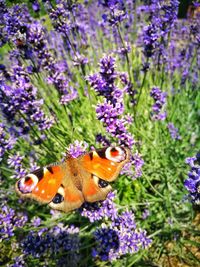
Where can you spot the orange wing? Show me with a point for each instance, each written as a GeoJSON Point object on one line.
{"type": "Point", "coordinates": [41, 184]}
{"type": "Point", "coordinates": [67, 198]}
{"type": "Point", "coordinates": [106, 163]}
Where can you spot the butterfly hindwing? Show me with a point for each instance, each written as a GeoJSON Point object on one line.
{"type": "Point", "coordinates": [69, 195]}
{"type": "Point", "coordinates": [94, 188]}
{"type": "Point", "coordinates": [67, 198]}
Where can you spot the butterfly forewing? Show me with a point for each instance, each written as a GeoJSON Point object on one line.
{"type": "Point", "coordinates": [106, 163]}
{"type": "Point", "coordinates": [41, 184]}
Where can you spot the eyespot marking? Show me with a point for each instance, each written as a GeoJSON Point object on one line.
{"type": "Point", "coordinates": [27, 184]}
{"type": "Point", "coordinates": [58, 198]}
{"type": "Point", "coordinates": [116, 154]}
{"type": "Point", "coordinates": [102, 183]}
{"type": "Point", "coordinates": [28, 181]}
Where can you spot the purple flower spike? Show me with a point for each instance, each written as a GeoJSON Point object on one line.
{"type": "Point", "coordinates": [15, 161]}
{"type": "Point", "coordinates": [173, 131]}
{"type": "Point", "coordinates": [9, 221]}
{"type": "Point", "coordinates": [119, 238]}
{"type": "Point", "coordinates": [6, 142]}
{"type": "Point", "coordinates": [192, 183]}
{"type": "Point", "coordinates": [56, 240]}
{"type": "Point", "coordinates": [160, 100]}
{"type": "Point", "coordinates": [77, 148]}
{"type": "Point", "coordinates": [110, 113]}
{"type": "Point", "coordinates": [100, 210]}
{"type": "Point", "coordinates": [36, 6]}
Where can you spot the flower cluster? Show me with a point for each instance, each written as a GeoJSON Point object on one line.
{"type": "Point", "coordinates": [192, 183]}
{"type": "Point", "coordinates": [160, 99]}
{"type": "Point", "coordinates": [138, 162]}
{"type": "Point", "coordinates": [56, 72]}
{"type": "Point", "coordinates": [119, 238]}
{"type": "Point", "coordinates": [119, 235]}
{"type": "Point", "coordinates": [11, 21]}
{"type": "Point", "coordinates": [15, 162]}
{"type": "Point", "coordinates": [173, 131]}
{"type": "Point", "coordinates": [116, 14]}
{"type": "Point", "coordinates": [111, 111]}
{"type": "Point", "coordinates": [99, 210]}
{"type": "Point", "coordinates": [6, 142]}
{"type": "Point", "coordinates": [68, 18]}
{"type": "Point", "coordinates": [53, 242]}
{"type": "Point", "coordinates": [21, 98]}
{"type": "Point", "coordinates": [9, 221]}
{"type": "Point", "coordinates": [77, 148]}
{"type": "Point", "coordinates": [162, 16]}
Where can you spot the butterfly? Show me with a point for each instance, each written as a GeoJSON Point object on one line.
{"type": "Point", "coordinates": [67, 185]}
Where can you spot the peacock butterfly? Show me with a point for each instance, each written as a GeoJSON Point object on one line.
{"type": "Point", "coordinates": [65, 186]}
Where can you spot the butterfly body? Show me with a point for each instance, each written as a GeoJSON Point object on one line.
{"type": "Point", "coordinates": [66, 186]}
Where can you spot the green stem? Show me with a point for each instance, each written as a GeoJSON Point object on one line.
{"type": "Point", "coordinates": [126, 53]}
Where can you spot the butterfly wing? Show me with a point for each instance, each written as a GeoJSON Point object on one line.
{"type": "Point", "coordinates": [52, 185]}
{"type": "Point", "coordinates": [102, 166]}
{"type": "Point", "coordinates": [42, 184]}
{"type": "Point", "coordinates": [69, 195]}
{"type": "Point", "coordinates": [106, 163]}
{"type": "Point", "coordinates": [94, 188]}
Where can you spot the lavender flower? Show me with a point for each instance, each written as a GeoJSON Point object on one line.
{"type": "Point", "coordinates": [9, 221]}
{"type": "Point", "coordinates": [120, 238]}
{"type": "Point", "coordinates": [150, 39]}
{"type": "Point", "coordinates": [102, 140]}
{"type": "Point", "coordinates": [36, 6]}
{"type": "Point", "coordinates": [6, 142]}
{"type": "Point", "coordinates": [192, 183]}
{"type": "Point", "coordinates": [21, 97]}
{"type": "Point", "coordinates": [77, 148]}
{"type": "Point", "coordinates": [145, 214]}
{"type": "Point", "coordinates": [100, 210]}
{"type": "Point", "coordinates": [116, 13]}
{"type": "Point", "coordinates": [54, 241]}
{"type": "Point", "coordinates": [37, 38]}
{"type": "Point", "coordinates": [160, 99]}
{"type": "Point", "coordinates": [107, 243]}
{"type": "Point", "coordinates": [138, 162]}
{"type": "Point", "coordinates": [68, 19]}
{"type": "Point", "coordinates": [12, 19]}
{"type": "Point", "coordinates": [14, 161]}
{"type": "Point", "coordinates": [162, 16]}
{"type": "Point", "coordinates": [19, 173]}
{"type": "Point", "coordinates": [173, 131]}
{"type": "Point", "coordinates": [19, 261]}
{"type": "Point", "coordinates": [36, 221]}
{"type": "Point", "coordinates": [110, 111]}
